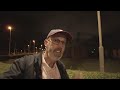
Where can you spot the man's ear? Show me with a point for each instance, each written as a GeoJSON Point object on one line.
{"type": "Point", "coordinates": [45, 42]}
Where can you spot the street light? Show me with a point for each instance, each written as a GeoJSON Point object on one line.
{"type": "Point", "coordinates": [41, 46]}
{"type": "Point", "coordinates": [34, 45]}
{"type": "Point", "coordinates": [10, 28]}
{"type": "Point", "coordinates": [21, 51]}
{"type": "Point", "coordinates": [28, 48]}
{"type": "Point", "coordinates": [101, 49]}
{"type": "Point", "coordinates": [36, 49]}
{"type": "Point", "coordinates": [39, 49]}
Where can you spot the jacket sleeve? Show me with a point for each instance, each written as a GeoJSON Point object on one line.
{"type": "Point", "coordinates": [16, 70]}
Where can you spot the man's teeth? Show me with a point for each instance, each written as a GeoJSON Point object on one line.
{"type": "Point", "coordinates": [58, 51]}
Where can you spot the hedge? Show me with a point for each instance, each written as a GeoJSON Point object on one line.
{"type": "Point", "coordinates": [77, 74]}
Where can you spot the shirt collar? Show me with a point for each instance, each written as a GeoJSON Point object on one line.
{"type": "Point", "coordinates": [45, 63]}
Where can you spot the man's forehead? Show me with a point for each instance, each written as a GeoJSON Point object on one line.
{"type": "Point", "coordinates": [58, 35]}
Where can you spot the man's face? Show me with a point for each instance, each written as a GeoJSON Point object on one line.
{"type": "Point", "coordinates": [55, 46]}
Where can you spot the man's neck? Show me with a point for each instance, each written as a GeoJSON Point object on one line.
{"type": "Point", "coordinates": [48, 60]}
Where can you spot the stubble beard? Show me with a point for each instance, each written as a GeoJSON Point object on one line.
{"type": "Point", "coordinates": [55, 55]}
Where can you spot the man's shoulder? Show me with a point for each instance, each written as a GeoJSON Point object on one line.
{"type": "Point", "coordinates": [60, 63]}
{"type": "Point", "coordinates": [27, 58]}
{"type": "Point", "coordinates": [32, 57]}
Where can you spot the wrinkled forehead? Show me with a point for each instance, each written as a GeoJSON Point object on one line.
{"type": "Point", "coordinates": [58, 35]}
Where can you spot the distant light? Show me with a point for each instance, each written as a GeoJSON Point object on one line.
{"type": "Point", "coordinates": [33, 41]}
{"type": "Point", "coordinates": [92, 51]}
{"type": "Point", "coordinates": [9, 27]}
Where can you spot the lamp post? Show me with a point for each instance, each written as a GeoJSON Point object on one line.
{"type": "Point", "coordinates": [101, 49]}
{"type": "Point", "coordinates": [21, 51]}
{"type": "Point", "coordinates": [10, 28]}
{"type": "Point", "coordinates": [28, 48]}
{"type": "Point", "coordinates": [36, 49]}
{"type": "Point", "coordinates": [15, 49]}
{"type": "Point", "coordinates": [34, 45]}
{"type": "Point", "coordinates": [39, 49]}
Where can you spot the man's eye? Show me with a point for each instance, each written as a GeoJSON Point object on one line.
{"type": "Point", "coordinates": [57, 40]}
{"type": "Point", "coordinates": [63, 42]}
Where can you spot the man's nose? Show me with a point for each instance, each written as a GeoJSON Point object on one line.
{"type": "Point", "coordinates": [61, 44]}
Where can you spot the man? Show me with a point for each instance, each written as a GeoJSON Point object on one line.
{"type": "Point", "coordinates": [46, 65]}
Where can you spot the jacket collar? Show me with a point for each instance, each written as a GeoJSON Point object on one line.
{"type": "Point", "coordinates": [37, 65]}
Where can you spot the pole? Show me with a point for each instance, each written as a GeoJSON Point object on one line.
{"type": "Point", "coordinates": [10, 42]}
{"type": "Point", "coordinates": [14, 49]}
{"type": "Point", "coordinates": [101, 49]}
{"type": "Point", "coordinates": [34, 46]}
{"type": "Point", "coordinates": [28, 49]}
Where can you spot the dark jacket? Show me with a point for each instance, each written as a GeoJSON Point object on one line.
{"type": "Point", "coordinates": [29, 67]}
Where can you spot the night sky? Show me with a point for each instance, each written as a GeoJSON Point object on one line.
{"type": "Point", "coordinates": [29, 25]}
